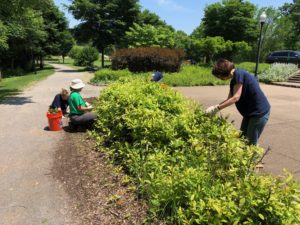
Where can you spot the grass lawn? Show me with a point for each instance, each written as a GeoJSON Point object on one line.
{"type": "Point", "coordinates": [14, 85]}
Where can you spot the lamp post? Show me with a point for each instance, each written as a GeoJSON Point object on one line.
{"type": "Point", "coordinates": [262, 20]}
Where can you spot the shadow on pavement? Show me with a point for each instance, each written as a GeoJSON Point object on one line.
{"type": "Point", "coordinates": [72, 71]}
{"type": "Point", "coordinates": [16, 101]}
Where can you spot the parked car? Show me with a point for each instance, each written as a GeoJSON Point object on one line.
{"type": "Point", "coordinates": [284, 56]}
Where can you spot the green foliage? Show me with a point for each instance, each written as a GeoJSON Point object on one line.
{"type": "Point", "coordinates": [187, 76]}
{"type": "Point", "coordinates": [211, 48]}
{"type": "Point", "coordinates": [103, 23]}
{"type": "Point", "coordinates": [105, 76]}
{"type": "Point", "coordinates": [29, 31]}
{"type": "Point", "coordinates": [278, 72]}
{"type": "Point", "coordinates": [3, 37]}
{"type": "Point", "coordinates": [190, 167]}
{"type": "Point", "coordinates": [250, 67]}
{"type": "Point", "coordinates": [232, 19]}
{"type": "Point", "coordinates": [148, 35]}
{"type": "Point", "coordinates": [150, 18]}
{"type": "Point", "coordinates": [75, 51]}
{"type": "Point", "coordinates": [148, 59]}
{"type": "Point", "coordinates": [86, 56]}
{"type": "Point", "coordinates": [291, 12]}
{"type": "Point", "coordinates": [66, 43]}
{"type": "Point", "coordinates": [192, 76]}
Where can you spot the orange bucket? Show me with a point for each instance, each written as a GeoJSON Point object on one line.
{"type": "Point", "coordinates": [55, 121]}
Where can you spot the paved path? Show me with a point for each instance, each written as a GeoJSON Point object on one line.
{"type": "Point", "coordinates": [28, 193]}
{"type": "Point", "coordinates": [282, 132]}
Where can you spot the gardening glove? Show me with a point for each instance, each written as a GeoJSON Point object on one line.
{"type": "Point", "coordinates": [212, 110]}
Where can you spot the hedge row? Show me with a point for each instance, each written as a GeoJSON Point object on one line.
{"type": "Point", "coordinates": [147, 59]}
{"type": "Point", "coordinates": [192, 168]}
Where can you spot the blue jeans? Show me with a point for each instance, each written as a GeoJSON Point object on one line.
{"type": "Point", "coordinates": [252, 127]}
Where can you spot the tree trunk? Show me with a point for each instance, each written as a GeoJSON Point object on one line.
{"type": "Point", "coordinates": [41, 63]}
{"type": "Point", "coordinates": [102, 57]}
{"type": "Point", "coordinates": [63, 59]}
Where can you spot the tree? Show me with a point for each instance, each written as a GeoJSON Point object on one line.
{"type": "Point", "coordinates": [211, 48]}
{"type": "Point", "coordinates": [66, 43]}
{"type": "Point", "coordinates": [150, 36]}
{"type": "Point", "coordinates": [33, 29]}
{"type": "Point", "coordinates": [104, 22]}
{"type": "Point", "coordinates": [232, 19]}
{"type": "Point", "coordinates": [291, 11]}
{"type": "Point", "coordinates": [3, 37]}
{"type": "Point", "coordinates": [275, 31]}
{"type": "Point", "coordinates": [150, 18]}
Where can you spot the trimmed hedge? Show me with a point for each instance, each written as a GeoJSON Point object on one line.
{"type": "Point", "coordinates": [148, 59]}
{"type": "Point", "coordinates": [192, 168]}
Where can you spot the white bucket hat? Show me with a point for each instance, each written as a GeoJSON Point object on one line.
{"type": "Point", "coordinates": [77, 84]}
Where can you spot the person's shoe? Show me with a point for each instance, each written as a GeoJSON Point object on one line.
{"type": "Point", "coordinates": [72, 127]}
{"type": "Point", "coordinates": [81, 129]}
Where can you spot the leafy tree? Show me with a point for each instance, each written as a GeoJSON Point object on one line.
{"type": "Point", "coordinates": [66, 43]}
{"type": "Point", "coordinates": [232, 19]}
{"type": "Point", "coordinates": [210, 48]}
{"type": "Point", "coordinates": [198, 32]}
{"type": "Point", "coordinates": [3, 37]}
{"type": "Point", "coordinates": [104, 22]}
{"type": "Point", "coordinates": [155, 36]}
{"type": "Point", "coordinates": [291, 11]}
{"type": "Point", "coordinates": [150, 36]}
{"type": "Point", "coordinates": [33, 29]}
{"type": "Point", "coordinates": [275, 31]}
{"type": "Point", "coordinates": [147, 17]}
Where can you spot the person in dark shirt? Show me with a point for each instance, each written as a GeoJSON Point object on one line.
{"type": "Point", "coordinates": [157, 76]}
{"type": "Point", "coordinates": [60, 101]}
{"type": "Point", "coordinates": [248, 97]}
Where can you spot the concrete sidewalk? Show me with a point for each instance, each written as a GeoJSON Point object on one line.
{"type": "Point", "coordinates": [28, 193]}
{"type": "Point", "coordinates": [282, 132]}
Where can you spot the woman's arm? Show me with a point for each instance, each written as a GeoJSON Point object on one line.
{"type": "Point", "coordinates": [237, 91]}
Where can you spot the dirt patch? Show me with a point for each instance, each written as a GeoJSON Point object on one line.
{"type": "Point", "coordinates": [97, 189]}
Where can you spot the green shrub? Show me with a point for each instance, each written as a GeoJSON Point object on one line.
{"type": "Point", "coordinates": [86, 57]}
{"type": "Point", "coordinates": [105, 76]}
{"type": "Point", "coordinates": [278, 72]}
{"type": "Point", "coordinates": [75, 51]}
{"type": "Point", "coordinates": [192, 168]}
{"type": "Point", "coordinates": [147, 59]}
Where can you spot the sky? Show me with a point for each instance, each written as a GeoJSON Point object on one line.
{"type": "Point", "coordinates": [183, 15]}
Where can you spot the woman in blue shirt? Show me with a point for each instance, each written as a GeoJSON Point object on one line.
{"type": "Point", "coordinates": [248, 97]}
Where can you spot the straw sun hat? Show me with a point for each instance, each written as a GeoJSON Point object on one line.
{"type": "Point", "coordinates": [77, 84]}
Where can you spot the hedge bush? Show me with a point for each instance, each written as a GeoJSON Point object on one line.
{"type": "Point", "coordinates": [147, 59]}
{"type": "Point", "coordinates": [84, 56]}
{"type": "Point", "coordinates": [192, 168]}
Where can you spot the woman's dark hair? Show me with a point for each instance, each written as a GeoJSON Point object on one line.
{"type": "Point", "coordinates": [222, 68]}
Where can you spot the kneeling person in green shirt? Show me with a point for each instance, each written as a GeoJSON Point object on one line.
{"type": "Point", "coordinates": [79, 111]}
